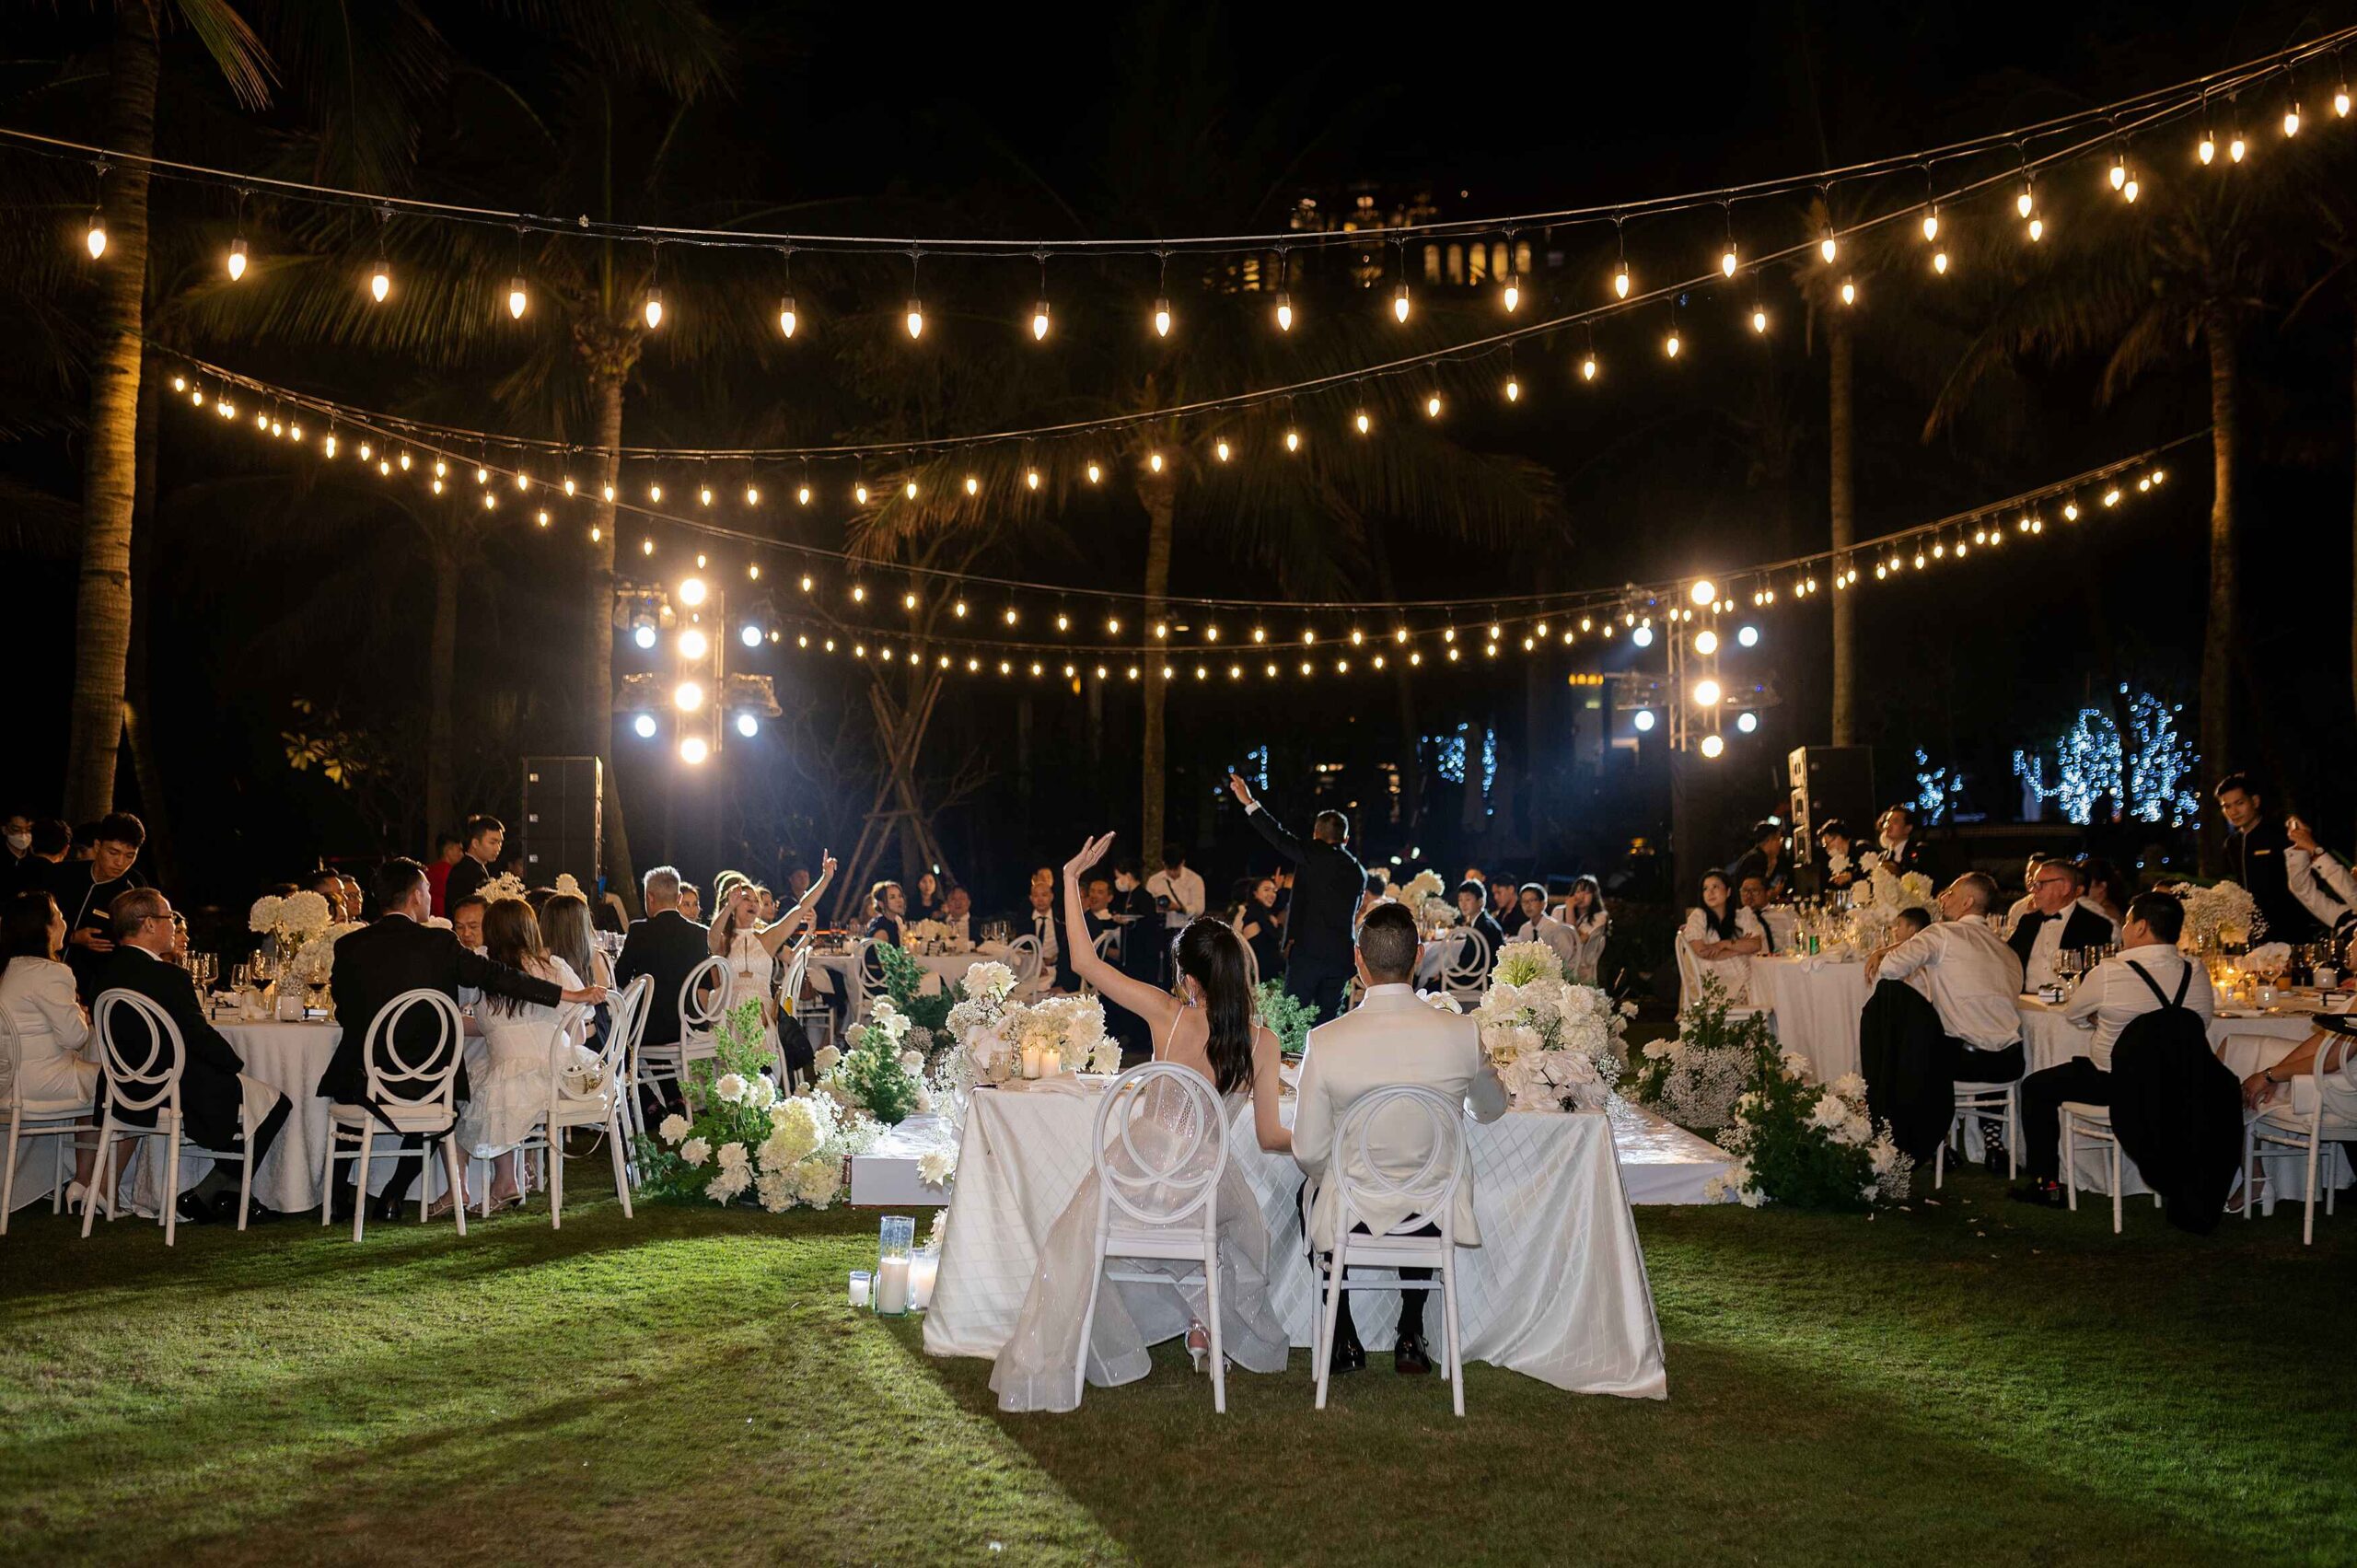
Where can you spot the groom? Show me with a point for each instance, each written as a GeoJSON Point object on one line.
{"type": "Point", "coordinates": [1325, 894]}
{"type": "Point", "coordinates": [1392, 1037]}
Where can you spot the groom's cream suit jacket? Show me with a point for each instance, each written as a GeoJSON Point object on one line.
{"type": "Point", "coordinates": [1391, 1037]}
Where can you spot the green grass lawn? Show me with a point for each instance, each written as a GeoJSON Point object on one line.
{"type": "Point", "coordinates": [1968, 1381]}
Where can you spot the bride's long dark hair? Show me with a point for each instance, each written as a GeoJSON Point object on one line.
{"type": "Point", "coordinates": [1212, 954]}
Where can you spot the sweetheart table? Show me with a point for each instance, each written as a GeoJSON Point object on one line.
{"type": "Point", "coordinates": [1557, 1290]}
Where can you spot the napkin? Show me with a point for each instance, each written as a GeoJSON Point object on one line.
{"type": "Point", "coordinates": [2269, 958]}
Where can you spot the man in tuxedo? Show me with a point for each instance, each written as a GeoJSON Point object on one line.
{"type": "Point", "coordinates": [86, 891]}
{"type": "Point", "coordinates": [2059, 922]}
{"type": "Point", "coordinates": [1040, 920]}
{"type": "Point", "coordinates": [484, 835]}
{"type": "Point", "coordinates": [213, 1093]}
{"type": "Point", "coordinates": [1479, 921]}
{"type": "Point", "coordinates": [2258, 856]}
{"type": "Point", "coordinates": [465, 921]}
{"type": "Point", "coordinates": [1902, 851]}
{"type": "Point", "coordinates": [400, 952]}
{"type": "Point", "coordinates": [1392, 1037]}
{"type": "Point", "coordinates": [666, 944]}
{"type": "Point", "coordinates": [1325, 898]}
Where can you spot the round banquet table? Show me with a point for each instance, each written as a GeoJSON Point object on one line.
{"type": "Point", "coordinates": [1557, 1290]}
{"type": "Point", "coordinates": [1816, 1001]}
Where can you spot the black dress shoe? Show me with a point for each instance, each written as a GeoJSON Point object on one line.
{"type": "Point", "coordinates": [225, 1209]}
{"type": "Point", "coordinates": [2040, 1194]}
{"type": "Point", "coordinates": [193, 1210]}
{"type": "Point", "coordinates": [1410, 1356]}
{"type": "Point", "coordinates": [1348, 1357]}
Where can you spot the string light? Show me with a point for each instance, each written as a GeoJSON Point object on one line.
{"type": "Point", "coordinates": [1284, 312]}
{"type": "Point", "coordinates": [653, 310]}
{"type": "Point", "coordinates": [381, 281]}
{"type": "Point", "coordinates": [1849, 291]}
{"type": "Point", "coordinates": [517, 298]}
{"type": "Point", "coordinates": [1363, 423]}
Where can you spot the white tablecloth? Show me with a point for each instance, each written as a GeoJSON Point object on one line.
{"type": "Point", "coordinates": [1556, 1291]}
{"type": "Point", "coordinates": [832, 972]}
{"type": "Point", "coordinates": [1438, 954]}
{"type": "Point", "coordinates": [1816, 1001]}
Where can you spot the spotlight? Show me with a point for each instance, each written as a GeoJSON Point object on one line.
{"type": "Point", "coordinates": [691, 592]}
{"type": "Point", "coordinates": [748, 726]}
{"type": "Point", "coordinates": [692, 750]}
{"type": "Point", "coordinates": [693, 645]}
{"type": "Point", "coordinates": [1747, 721]}
{"type": "Point", "coordinates": [1749, 637]}
{"type": "Point", "coordinates": [751, 636]}
{"type": "Point", "coordinates": [1712, 746]}
{"type": "Point", "coordinates": [644, 726]}
{"type": "Point", "coordinates": [644, 635]}
{"type": "Point", "coordinates": [1644, 720]}
{"type": "Point", "coordinates": [1642, 637]}
{"type": "Point", "coordinates": [688, 697]}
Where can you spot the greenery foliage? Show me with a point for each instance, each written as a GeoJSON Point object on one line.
{"type": "Point", "coordinates": [1287, 1017]}
{"type": "Point", "coordinates": [905, 983]}
{"type": "Point", "coordinates": [741, 1052]}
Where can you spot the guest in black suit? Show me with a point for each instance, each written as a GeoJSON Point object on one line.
{"type": "Point", "coordinates": [1040, 921]}
{"type": "Point", "coordinates": [2059, 921]}
{"type": "Point", "coordinates": [400, 952]}
{"type": "Point", "coordinates": [666, 944]}
{"type": "Point", "coordinates": [211, 1093]}
{"type": "Point", "coordinates": [18, 866]}
{"type": "Point", "coordinates": [85, 891]}
{"type": "Point", "coordinates": [1506, 907]}
{"type": "Point", "coordinates": [1318, 941]}
{"type": "Point", "coordinates": [1764, 859]}
{"type": "Point", "coordinates": [485, 836]}
{"type": "Point", "coordinates": [1902, 848]}
{"type": "Point", "coordinates": [52, 838]}
{"type": "Point", "coordinates": [1477, 919]}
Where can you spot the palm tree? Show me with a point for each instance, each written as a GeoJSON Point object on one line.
{"type": "Point", "coordinates": [102, 596]}
{"type": "Point", "coordinates": [2180, 273]}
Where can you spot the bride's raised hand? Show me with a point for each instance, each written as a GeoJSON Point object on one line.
{"type": "Point", "coordinates": [1090, 853]}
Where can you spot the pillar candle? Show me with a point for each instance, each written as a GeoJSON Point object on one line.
{"type": "Point", "coordinates": [924, 1270]}
{"type": "Point", "coordinates": [892, 1287]}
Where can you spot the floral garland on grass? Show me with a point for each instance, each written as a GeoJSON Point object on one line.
{"type": "Point", "coordinates": [1556, 1045]}
{"type": "Point", "coordinates": [743, 1135]}
{"type": "Point", "coordinates": [1808, 1144]}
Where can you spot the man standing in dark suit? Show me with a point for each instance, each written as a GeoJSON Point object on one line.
{"type": "Point", "coordinates": [485, 836]}
{"type": "Point", "coordinates": [1318, 943]}
{"type": "Point", "coordinates": [85, 891]}
{"type": "Point", "coordinates": [666, 944]}
{"type": "Point", "coordinates": [212, 1090]}
{"type": "Point", "coordinates": [2257, 855]}
{"type": "Point", "coordinates": [400, 952]}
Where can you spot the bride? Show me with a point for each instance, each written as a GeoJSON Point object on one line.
{"type": "Point", "coordinates": [752, 948]}
{"type": "Point", "coordinates": [1209, 1028]}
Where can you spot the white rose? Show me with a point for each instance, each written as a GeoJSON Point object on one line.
{"type": "Point", "coordinates": [673, 1129]}
{"type": "Point", "coordinates": [760, 1093]}
{"type": "Point", "coordinates": [935, 1166]}
{"type": "Point", "coordinates": [732, 1156]}
{"type": "Point", "coordinates": [731, 1087]}
{"type": "Point", "coordinates": [824, 1058]}
{"type": "Point", "coordinates": [912, 1061]}
{"type": "Point", "coordinates": [695, 1151]}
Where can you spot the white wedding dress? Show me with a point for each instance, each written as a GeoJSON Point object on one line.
{"type": "Point", "coordinates": [507, 1079]}
{"type": "Point", "coordinates": [1034, 1372]}
{"type": "Point", "coordinates": [752, 972]}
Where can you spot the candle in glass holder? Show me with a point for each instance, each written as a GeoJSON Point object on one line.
{"type": "Point", "coordinates": [861, 1281]}
{"type": "Point", "coordinates": [1031, 1055]}
{"type": "Point", "coordinates": [892, 1287]}
{"type": "Point", "coordinates": [1051, 1062]}
{"type": "Point", "coordinates": [925, 1269]}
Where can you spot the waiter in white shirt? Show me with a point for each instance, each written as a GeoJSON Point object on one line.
{"type": "Point", "coordinates": [1176, 890]}
{"type": "Point", "coordinates": [1971, 978]}
{"type": "Point", "coordinates": [2316, 876]}
{"type": "Point", "coordinates": [2113, 994]}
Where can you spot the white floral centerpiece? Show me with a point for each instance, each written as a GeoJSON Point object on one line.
{"type": "Point", "coordinates": [292, 920]}
{"type": "Point", "coordinates": [934, 937]}
{"type": "Point", "coordinates": [506, 885]}
{"type": "Point", "coordinates": [1876, 902]}
{"type": "Point", "coordinates": [1425, 883]}
{"type": "Point", "coordinates": [1556, 1045]}
{"type": "Point", "coordinates": [567, 883]}
{"type": "Point", "coordinates": [993, 1030]}
{"type": "Point", "coordinates": [314, 962]}
{"type": "Point", "coordinates": [2221, 915]}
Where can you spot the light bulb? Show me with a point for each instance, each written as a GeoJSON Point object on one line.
{"type": "Point", "coordinates": [380, 282]}
{"type": "Point", "coordinates": [1398, 304]}
{"type": "Point", "coordinates": [973, 485]}
{"type": "Point", "coordinates": [693, 750]}
{"type": "Point", "coordinates": [2236, 147]}
{"type": "Point", "coordinates": [2129, 191]}
{"type": "Point", "coordinates": [1849, 291]}
{"type": "Point", "coordinates": [329, 445]}
{"type": "Point", "coordinates": [1154, 461]}
{"type": "Point", "coordinates": [693, 645]}
{"type": "Point", "coordinates": [1620, 282]}
{"type": "Point", "coordinates": [1514, 390]}
{"type": "Point", "coordinates": [569, 487]}
{"type": "Point", "coordinates": [1363, 423]}
{"type": "Point", "coordinates": [703, 495]}
{"type": "Point", "coordinates": [1706, 694]}
{"type": "Point", "coordinates": [2026, 201]}
{"type": "Point", "coordinates": [1712, 746]}
{"type": "Point", "coordinates": [2341, 102]}
{"type": "Point", "coordinates": [1940, 262]}
{"type": "Point", "coordinates": [1826, 246]}
{"type": "Point", "coordinates": [237, 259]}
{"type": "Point", "coordinates": [1162, 317]}
{"type": "Point", "coordinates": [655, 493]}
{"type": "Point", "coordinates": [483, 475]}
{"type": "Point", "coordinates": [2119, 173]}
{"type": "Point", "coordinates": [1031, 478]}
{"type": "Point", "coordinates": [523, 480]}
{"type": "Point", "coordinates": [859, 493]}
{"type": "Point", "coordinates": [1759, 320]}
{"type": "Point", "coordinates": [910, 490]}
{"type": "Point", "coordinates": [1704, 591]}
{"type": "Point", "coordinates": [1510, 296]}
{"type": "Point", "coordinates": [606, 491]}
{"type": "Point", "coordinates": [643, 727]}
{"type": "Point", "coordinates": [1931, 222]}
{"type": "Point", "coordinates": [2036, 230]}
{"type": "Point", "coordinates": [1292, 440]}
{"type": "Point", "coordinates": [802, 495]}
{"type": "Point", "coordinates": [1588, 366]}
{"type": "Point", "coordinates": [1284, 312]}
{"type": "Point", "coordinates": [440, 468]}
{"type": "Point", "coordinates": [516, 299]}
{"type": "Point", "coordinates": [916, 319]}
{"type": "Point", "coordinates": [1039, 321]}
{"type": "Point", "coordinates": [1643, 719]}
{"type": "Point", "coordinates": [1727, 263]}
{"type": "Point", "coordinates": [654, 309]}
{"type": "Point", "coordinates": [2292, 120]}
{"type": "Point", "coordinates": [752, 496]}
{"type": "Point", "coordinates": [1220, 450]}
{"type": "Point", "coordinates": [788, 317]}
{"type": "Point", "coordinates": [2207, 150]}
{"type": "Point", "coordinates": [1706, 642]}
{"type": "Point", "coordinates": [96, 237]}
{"type": "Point", "coordinates": [1431, 406]}
{"type": "Point", "coordinates": [1095, 473]}
{"type": "Point", "coordinates": [1745, 722]}
{"type": "Point", "coordinates": [747, 725]}
{"type": "Point", "coordinates": [1670, 345]}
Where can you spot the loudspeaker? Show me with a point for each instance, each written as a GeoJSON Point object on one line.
{"type": "Point", "coordinates": [1830, 781]}
{"type": "Point", "coordinates": [564, 826]}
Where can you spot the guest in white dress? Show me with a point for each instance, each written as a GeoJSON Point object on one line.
{"type": "Point", "coordinates": [753, 949]}
{"type": "Point", "coordinates": [55, 1065]}
{"type": "Point", "coordinates": [1209, 1028]}
{"type": "Point", "coordinates": [1723, 935]}
{"type": "Point", "coordinates": [523, 1045]}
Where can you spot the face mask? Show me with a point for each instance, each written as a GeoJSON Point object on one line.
{"type": "Point", "coordinates": [19, 842]}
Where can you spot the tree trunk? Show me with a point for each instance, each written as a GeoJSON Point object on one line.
{"type": "Point", "coordinates": [441, 683]}
{"type": "Point", "coordinates": [2353, 620]}
{"type": "Point", "coordinates": [608, 372]}
{"type": "Point", "coordinates": [138, 704]}
{"type": "Point", "coordinates": [2218, 636]}
{"type": "Point", "coordinates": [1845, 528]}
{"type": "Point", "coordinates": [1158, 493]}
{"type": "Point", "coordinates": [102, 596]}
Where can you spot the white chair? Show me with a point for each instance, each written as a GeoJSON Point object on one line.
{"type": "Point", "coordinates": [866, 979]}
{"type": "Point", "coordinates": [1023, 957]}
{"type": "Point", "coordinates": [703, 1002]}
{"type": "Point", "coordinates": [152, 1083]}
{"type": "Point", "coordinates": [817, 1020]}
{"type": "Point", "coordinates": [1430, 1190]}
{"type": "Point", "coordinates": [1689, 985]}
{"type": "Point", "coordinates": [1591, 960]}
{"type": "Point", "coordinates": [627, 1016]}
{"type": "Point", "coordinates": [68, 1121]}
{"type": "Point", "coordinates": [412, 1097]}
{"type": "Point", "coordinates": [601, 1106]}
{"type": "Point", "coordinates": [1971, 1100]}
{"type": "Point", "coordinates": [2322, 1110]}
{"type": "Point", "coordinates": [1163, 1207]}
{"type": "Point", "coordinates": [2094, 1124]}
{"type": "Point", "coordinates": [1468, 971]}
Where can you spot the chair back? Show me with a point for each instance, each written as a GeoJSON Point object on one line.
{"type": "Point", "coordinates": [1591, 959]}
{"type": "Point", "coordinates": [704, 996]}
{"type": "Point", "coordinates": [1468, 967]}
{"type": "Point", "coordinates": [866, 975]}
{"type": "Point", "coordinates": [1689, 973]}
{"type": "Point", "coordinates": [1427, 1186]}
{"type": "Point", "coordinates": [424, 1070]}
{"type": "Point", "coordinates": [10, 1049]}
{"type": "Point", "coordinates": [154, 1077]}
{"type": "Point", "coordinates": [789, 990]}
{"type": "Point", "coordinates": [2334, 1074]}
{"type": "Point", "coordinates": [627, 1016]}
{"type": "Point", "coordinates": [1160, 1144]}
{"type": "Point", "coordinates": [1023, 954]}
